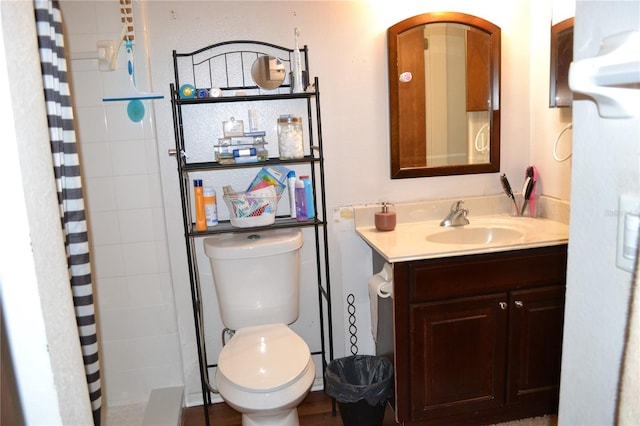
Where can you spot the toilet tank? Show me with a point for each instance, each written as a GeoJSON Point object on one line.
{"type": "Point", "coordinates": [256, 276]}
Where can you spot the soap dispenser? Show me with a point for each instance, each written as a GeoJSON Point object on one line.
{"type": "Point", "coordinates": [385, 220]}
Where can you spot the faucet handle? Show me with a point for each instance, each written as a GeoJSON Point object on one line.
{"type": "Point", "coordinates": [455, 207]}
{"type": "Point", "coordinates": [457, 216]}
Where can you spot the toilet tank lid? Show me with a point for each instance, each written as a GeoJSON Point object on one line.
{"type": "Point", "coordinates": [256, 244]}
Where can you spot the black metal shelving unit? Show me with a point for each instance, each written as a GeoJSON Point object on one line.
{"type": "Point", "coordinates": [225, 66]}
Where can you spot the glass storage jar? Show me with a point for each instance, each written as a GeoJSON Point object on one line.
{"type": "Point", "coordinates": [290, 144]}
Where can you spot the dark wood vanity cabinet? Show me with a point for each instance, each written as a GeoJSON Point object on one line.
{"type": "Point", "coordinates": [478, 338]}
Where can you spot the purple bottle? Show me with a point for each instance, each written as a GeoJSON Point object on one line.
{"type": "Point", "coordinates": [301, 202]}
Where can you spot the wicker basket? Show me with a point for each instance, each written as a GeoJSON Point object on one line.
{"type": "Point", "coordinates": [247, 210]}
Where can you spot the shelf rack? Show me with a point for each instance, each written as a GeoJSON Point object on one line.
{"type": "Point", "coordinates": [225, 66]}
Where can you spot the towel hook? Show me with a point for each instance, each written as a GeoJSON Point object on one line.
{"type": "Point", "coordinates": [555, 144]}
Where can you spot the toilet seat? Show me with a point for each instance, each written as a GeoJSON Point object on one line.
{"type": "Point", "coordinates": [264, 358]}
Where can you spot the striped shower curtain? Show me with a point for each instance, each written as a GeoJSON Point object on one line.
{"type": "Point", "coordinates": [69, 185]}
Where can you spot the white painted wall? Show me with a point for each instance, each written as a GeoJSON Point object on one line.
{"type": "Point", "coordinates": [547, 123]}
{"type": "Point", "coordinates": [606, 163]}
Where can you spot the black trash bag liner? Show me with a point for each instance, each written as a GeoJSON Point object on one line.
{"type": "Point", "coordinates": [359, 377]}
{"type": "Point", "coordinates": [361, 413]}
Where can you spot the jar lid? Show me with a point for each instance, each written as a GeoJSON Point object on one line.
{"type": "Point", "coordinates": [289, 119]}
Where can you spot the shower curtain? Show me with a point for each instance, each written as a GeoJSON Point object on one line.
{"type": "Point", "coordinates": [69, 186]}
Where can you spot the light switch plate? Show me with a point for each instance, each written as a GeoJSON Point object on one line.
{"type": "Point", "coordinates": [628, 230]}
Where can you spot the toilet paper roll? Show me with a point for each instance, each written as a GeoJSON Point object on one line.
{"type": "Point", "coordinates": [385, 289]}
{"type": "Point", "coordinates": [380, 285]}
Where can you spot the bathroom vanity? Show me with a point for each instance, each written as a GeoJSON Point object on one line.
{"type": "Point", "coordinates": [477, 324]}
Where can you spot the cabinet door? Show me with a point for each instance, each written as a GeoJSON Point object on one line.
{"type": "Point", "coordinates": [478, 70]}
{"type": "Point", "coordinates": [535, 333]}
{"type": "Point", "coordinates": [411, 59]}
{"type": "Point", "coordinates": [457, 355]}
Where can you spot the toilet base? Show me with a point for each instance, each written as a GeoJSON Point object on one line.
{"type": "Point", "coordinates": [281, 418]}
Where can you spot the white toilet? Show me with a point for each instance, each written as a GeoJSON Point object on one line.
{"type": "Point", "coordinates": [265, 370]}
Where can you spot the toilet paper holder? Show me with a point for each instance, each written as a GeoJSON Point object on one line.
{"type": "Point", "coordinates": [380, 287]}
{"type": "Point", "coordinates": [384, 282]}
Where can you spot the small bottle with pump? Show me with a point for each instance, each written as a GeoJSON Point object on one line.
{"type": "Point", "coordinates": [291, 186]}
{"type": "Point", "coordinates": [301, 202]}
{"type": "Point", "coordinates": [201, 221]}
{"type": "Point", "coordinates": [385, 220]}
{"type": "Point", "coordinates": [210, 206]}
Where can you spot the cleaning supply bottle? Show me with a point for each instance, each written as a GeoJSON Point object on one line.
{"type": "Point", "coordinates": [301, 206]}
{"type": "Point", "coordinates": [210, 206]}
{"type": "Point", "coordinates": [385, 220]}
{"type": "Point", "coordinates": [201, 221]}
{"type": "Point", "coordinates": [308, 189]}
{"type": "Point", "coordinates": [291, 186]}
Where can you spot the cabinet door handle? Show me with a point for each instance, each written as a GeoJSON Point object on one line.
{"type": "Point", "coordinates": [172, 152]}
{"type": "Point", "coordinates": [519, 304]}
{"type": "Point", "coordinates": [503, 306]}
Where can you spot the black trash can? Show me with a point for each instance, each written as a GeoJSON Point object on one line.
{"type": "Point", "coordinates": [361, 384]}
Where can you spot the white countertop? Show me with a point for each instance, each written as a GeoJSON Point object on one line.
{"type": "Point", "coordinates": [409, 241]}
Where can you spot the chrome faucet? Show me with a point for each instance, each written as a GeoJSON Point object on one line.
{"type": "Point", "coordinates": [456, 216]}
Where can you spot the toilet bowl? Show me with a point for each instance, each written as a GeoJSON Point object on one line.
{"type": "Point", "coordinates": [264, 372]}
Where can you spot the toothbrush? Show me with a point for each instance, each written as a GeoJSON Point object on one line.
{"type": "Point", "coordinates": [527, 188]}
{"type": "Point", "coordinates": [507, 190]}
{"type": "Point", "coordinates": [532, 196]}
{"type": "Point", "coordinates": [297, 64]}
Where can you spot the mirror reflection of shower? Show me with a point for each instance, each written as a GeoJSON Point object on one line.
{"type": "Point", "coordinates": [480, 138]}
{"type": "Point", "coordinates": [455, 134]}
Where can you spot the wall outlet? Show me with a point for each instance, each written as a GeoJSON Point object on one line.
{"type": "Point", "coordinates": [628, 231]}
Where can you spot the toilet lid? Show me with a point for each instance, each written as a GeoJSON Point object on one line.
{"type": "Point", "coordinates": [264, 357]}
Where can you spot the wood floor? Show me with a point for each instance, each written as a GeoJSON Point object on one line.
{"type": "Point", "coordinates": [315, 410]}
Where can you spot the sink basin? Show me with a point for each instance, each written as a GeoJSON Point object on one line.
{"type": "Point", "coordinates": [475, 235]}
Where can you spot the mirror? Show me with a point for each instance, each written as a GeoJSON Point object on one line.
{"type": "Point", "coordinates": [561, 57]}
{"type": "Point", "coordinates": [268, 72]}
{"type": "Point", "coordinates": [444, 95]}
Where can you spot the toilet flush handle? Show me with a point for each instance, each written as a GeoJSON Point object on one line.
{"type": "Point", "coordinates": [227, 332]}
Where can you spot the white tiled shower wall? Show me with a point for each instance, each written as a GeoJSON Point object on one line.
{"type": "Point", "coordinates": [140, 347]}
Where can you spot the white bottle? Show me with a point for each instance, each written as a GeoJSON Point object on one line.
{"type": "Point", "coordinates": [210, 206]}
{"type": "Point", "coordinates": [291, 186]}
